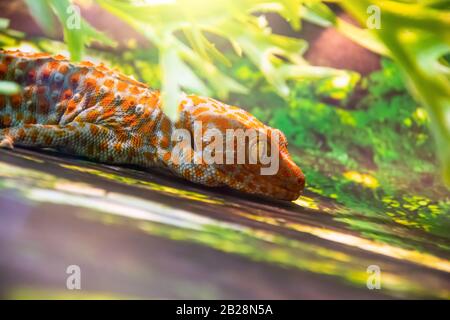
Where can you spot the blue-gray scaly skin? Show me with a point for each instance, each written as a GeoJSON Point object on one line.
{"type": "Point", "coordinates": [92, 111]}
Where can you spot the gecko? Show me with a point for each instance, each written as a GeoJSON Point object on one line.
{"type": "Point", "coordinates": [87, 109]}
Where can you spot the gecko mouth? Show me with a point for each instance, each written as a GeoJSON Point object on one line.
{"type": "Point", "coordinates": [288, 184]}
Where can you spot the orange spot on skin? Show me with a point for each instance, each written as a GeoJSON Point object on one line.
{"type": "Point", "coordinates": [5, 120]}
{"type": "Point", "coordinates": [197, 100]}
{"type": "Point", "coordinates": [16, 101]}
{"type": "Point", "coordinates": [92, 100]}
{"type": "Point", "coordinates": [43, 105]}
{"type": "Point", "coordinates": [107, 99]}
{"type": "Point", "coordinates": [103, 146]}
{"type": "Point", "coordinates": [118, 147]}
{"type": "Point", "coordinates": [97, 74]}
{"type": "Point", "coordinates": [31, 76]}
{"type": "Point", "coordinates": [41, 90]}
{"type": "Point", "coordinates": [101, 67]}
{"type": "Point", "coordinates": [91, 117]}
{"type": "Point", "coordinates": [145, 100]}
{"type": "Point", "coordinates": [149, 156]}
{"type": "Point", "coordinates": [48, 140]}
{"type": "Point", "coordinates": [19, 116]}
{"type": "Point", "coordinates": [21, 134]}
{"type": "Point", "coordinates": [53, 65]}
{"type": "Point", "coordinates": [122, 86]}
{"type": "Point", "coordinates": [45, 74]}
{"type": "Point", "coordinates": [154, 140]}
{"type": "Point", "coordinates": [200, 110]}
{"type": "Point", "coordinates": [63, 68]}
{"type": "Point", "coordinates": [109, 112]}
{"type": "Point", "coordinates": [74, 79]}
{"type": "Point", "coordinates": [251, 185]}
{"type": "Point", "coordinates": [59, 57]}
{"type": "Point", "coordinates": [22, 65]}
{"type": "Point", "coordinates": [135, 90]}
{"type": "Point", "coordinates": [128, 103]}
{"type": "Point", "coordinates": [165, 125]}
{"type": "Point", "coordinates": [222, 123]}
{"type": "Point", "coordinates": [154, 99]}
{"type": "Point", "coordinates": [67, 94]}
{"type": "Point", "coordinates": [109, 83]}
{"type": "Point", "coordinates": [86, 64]}
{"type": "Point", "coordinates": [71, 106]}
{"type": "Point", "coordinates": [40, 55]}
{"type": "Point", "coordinates": [122, 135]}
{"type": "Point", "coordinates": [164, 142]}
{"type": "Point", "coordinates": [33, 136]}
{"type": "Point", "coordinates": [3, 70]}
{"type": "Point", "coordinates": [166, 156]}
{"type": "Point", "coordinates": [90, 83]}
{"type": "Point", "coordinates": [128, 120]}
{"type": "Point", "coordinates": [137, 142]}
{"type": "Point", "coordinates": [30, 120]}
{"type": "Point", "coordinates": [147, 127]}
{"type": "Point", "coordinates": [130, 80]}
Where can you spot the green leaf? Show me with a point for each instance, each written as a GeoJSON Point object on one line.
{"type": "Point", "coordinates": [176, 75]}
{"type": "Point", "coordinates": [319, 13]}
{"type": "Point", "coordinates": [417, 38]}
{"type": "Point", "coordinates": [291, 12]}
{"type": "Point", "coordinates": [43, 14]}
{"type": "Point", "coordinates": [4, 23]}
{"type": "Point", "coordinates": [77, 32]}
{"type": "Point", "coordinates": [9, 87]}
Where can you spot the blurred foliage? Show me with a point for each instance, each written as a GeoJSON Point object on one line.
{"type": "Point", "coordinates": [78, 33]}
{"type": "Point", "coordinates": [417, 35]}
{"type": "Point", "coordinates": [8, 87]}
{"type": "Point", "coordinates": [182, 31]}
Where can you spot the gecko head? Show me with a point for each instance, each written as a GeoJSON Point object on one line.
{"type": "Point", "coordinates": [247, 155]}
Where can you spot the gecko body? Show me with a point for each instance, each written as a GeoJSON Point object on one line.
{"type": "Point", "coordinates": [92, 111]}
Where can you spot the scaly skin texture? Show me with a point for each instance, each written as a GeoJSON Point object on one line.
{"type": "Point", "coordinates": [92, 111]}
